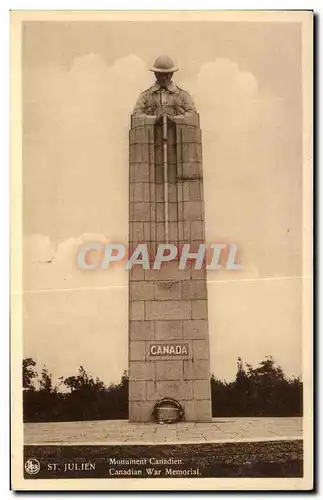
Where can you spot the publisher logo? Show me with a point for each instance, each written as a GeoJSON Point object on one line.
{"type": "Point", "coordinates": [32, 466]}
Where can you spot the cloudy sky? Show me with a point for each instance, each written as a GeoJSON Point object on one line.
{"type": "Point", "coordinates": [80, 83]}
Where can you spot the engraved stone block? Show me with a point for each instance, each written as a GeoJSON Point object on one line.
{"type": "Point", "coordinates": [195, 247]}
{"type": "Point", "coordinates": [199, 309]}
{"type": "Point", "coordinates": [202, 389]}
{"type": "Point", "coordinates": [137, 311]}
{"type": "Point", "coordinates": [191, 170]}
{"type": "Point", "coordinates": [198, 411]}
{"type": "Point", "coordinates": [173, 231]}
{"type": "Point", "coordinates": [169, 271]}
{"type": "Point", "coordinates": [198, 135]}
{"type": "Point", "coordinates": [172, 212]}
{"type": "Point", "coordinates": [173, 389]}
{"type": "Point", "coordinates": [147, 231]}
{"type": "Point", "coordinates": [168, 309]}
{"type": "Point", "coordinates": [195, 329]}
{"type": "Point", "coordinates": [160, 211]}
{"type": "Point", "coordinates": [137, 191]}
{"type": "Point", "coordinates": [137, 391]}
{"type": "Point", "coordinates": [160, 232]}
{"type": "Point", "coordinates": [192, 210]}
{"type": "Point", "coordinates": [191, 152]}
{"type": "Point", "coordinates": [137, 231]}
{"type": "Point", "coordinates": [152, 176]}
{"type": "Point", "coordinates": [188, 134]}
{"type": "Point", "coordinates": [159, 174]}
{"type": "Point", "coordinates": [200, 349]}
{"type": "Point", "coordinates": [132, 137]}
{"type": "Point", "coordinates": [141, 290]}
{"type": "Point", "coordinates": [169, 370]}
{"type": "Point", "coordinates": [191, 190]}
{"type": "Point", "coordinates": [194, 289]}
{"type": "Point", "coordinates": [137, 153]}
{"type": "Point", "coordinates": [179, 186]}
{"type": "Point", "coordinates": [145, 191]}
{"type": "Point", "coordinates": [141, 135]}
{"type": "Point", "coordinates": [139, 172]}
{"type": "Point", "coordinates": [141, 411]}
{"type": "Point", "coordinates": [186, 231]}
{"type": "Point", "coordinates": [159, 193]}
{"type": "Point", "coordinates": [145, 153]}
{"type": "Point", "coordinates": [168, 290]}
{"type": "Point", "coordinates": [137, 350]}
{"type": "Point", "coordinates": [144, 121]}
{"type": "Point", "coordinates": [172, 193]}
{"type": "Point", "coordinates": [196, 369]}
{"type": "Point", "coordinates": [197, 274]}
{"type": "Point", "coordinates": [142, 371]}
{"type": "Point", "coordinates": [141, 211]}
{"type": "Point", "coordinates": [132, 151]}
{"type": "Point", "coordinates": [172, 174]}
{"type": "Point", "coordinates": [197, 230]}
{"type": "Point", "coordinates": [168, 330]}
{"type": "Point", "coordinates": [141, 330]}
{"type": "Point", "coordinates": [136, 273]}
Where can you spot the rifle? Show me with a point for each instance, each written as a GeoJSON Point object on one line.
{"type": "Point", "coordinates": [165, 160]}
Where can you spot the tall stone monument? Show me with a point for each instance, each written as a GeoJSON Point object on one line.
{"type": "Point", "coordinates": [168, 315]}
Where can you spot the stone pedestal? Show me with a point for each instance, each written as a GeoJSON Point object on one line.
{"type": "Point", "coordinates": [168, 319]}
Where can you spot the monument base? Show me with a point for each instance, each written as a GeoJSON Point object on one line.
{"type": "Point", "coordinates": [194, 411]}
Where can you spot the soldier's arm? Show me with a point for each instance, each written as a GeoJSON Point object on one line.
{"type": "Point", "coordinates": [140, 107]}
{"type": "Point", "coordinates": [140, 112]}
{"type": "Point", "coordinates": [188, 103]}
{"type": "Point", "coordinates": [190, 112]}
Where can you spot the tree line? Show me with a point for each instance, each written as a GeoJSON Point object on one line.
{"type": "Point", "coordinates": [260, 391]}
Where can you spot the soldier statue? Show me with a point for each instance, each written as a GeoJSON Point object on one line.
{"type": "Point", "coordinates": [166, 208]}
{"type": "Point", "coordinates": [164, 97]}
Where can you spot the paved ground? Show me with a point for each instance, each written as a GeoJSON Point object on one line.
{"type": "Point", "coordinates": [108, 432]}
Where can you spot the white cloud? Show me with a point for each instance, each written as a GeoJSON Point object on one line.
{"type": "Point", "coordinates": [225, 97]}
{"type": "Point", "coordinates": [76, 145]}
{"type": "Point", "coordinates": [38, 249]}
{"type": "Point", "coordinates": [89, 99]}
{"type": "Point", "coordinates": [226, 81]}
{"type": "Point", "coordinates": [61, 269]}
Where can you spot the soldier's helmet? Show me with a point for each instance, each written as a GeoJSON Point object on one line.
{"type": "Point", "coordinates": [163, 64]}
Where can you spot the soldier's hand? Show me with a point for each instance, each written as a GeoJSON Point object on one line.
{"type": "Point", "coordinates": [159, 114]}
{"type": "Point", "coordinates": [162, 112]}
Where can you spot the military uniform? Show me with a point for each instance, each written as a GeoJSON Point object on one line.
{"type": "Point", "coordinates": [172, 99]}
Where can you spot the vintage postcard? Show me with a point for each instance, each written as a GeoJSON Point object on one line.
{"type": "Point", "coordinates": [161, 222]}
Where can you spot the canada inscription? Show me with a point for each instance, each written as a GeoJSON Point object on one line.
{"type": "Point", "coordinates": [169, 349]}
